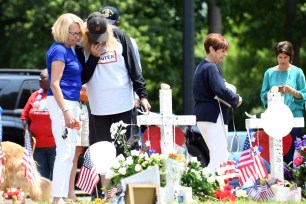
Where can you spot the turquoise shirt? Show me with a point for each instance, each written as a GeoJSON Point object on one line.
{"type": "Point", "coordinates": [293, 77]}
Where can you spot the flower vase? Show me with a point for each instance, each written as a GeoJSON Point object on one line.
{"type": "Point", "coordinates": [173, 179]}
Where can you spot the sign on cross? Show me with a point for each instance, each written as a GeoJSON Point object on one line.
{"type": "Point", "coordinates": [166, 120]}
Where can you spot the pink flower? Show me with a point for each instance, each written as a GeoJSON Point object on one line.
{"type": "Point", "coordinates": [298, 161]}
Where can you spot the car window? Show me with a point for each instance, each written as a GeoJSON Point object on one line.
{"type": "Point", "coordinates": [27, 88]}
{"type": "Point", "coordinates": [8, 94]}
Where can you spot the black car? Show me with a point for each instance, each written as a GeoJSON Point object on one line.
{"type": "Point", "coordinates": [16, 86]}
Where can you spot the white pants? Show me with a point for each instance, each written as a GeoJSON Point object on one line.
{"type": "Point", "coordinates": [216, 141]}
{"type": "Point", "coordinates": [65, 148]}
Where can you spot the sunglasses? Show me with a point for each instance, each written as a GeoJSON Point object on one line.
{"type": "Point", "coordinates": [65, 134]}
{"type": "Point", "coordinates": [76, 34]}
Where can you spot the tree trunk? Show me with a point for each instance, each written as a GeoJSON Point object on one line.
{"type": "Point", "coordinates": [214, 17]}
{"type": "Point", "coordinates": [291, 9]}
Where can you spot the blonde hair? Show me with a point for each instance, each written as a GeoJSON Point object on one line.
{"type": "Point", "coordinates": [60, 29]}
{"type": "Point", "coordinates": [111, 41]}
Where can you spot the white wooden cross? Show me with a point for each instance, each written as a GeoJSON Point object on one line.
{"type": "Point", "coordinates": [275, 151]}
{"type": "Point", "coordinates": [166, 120]}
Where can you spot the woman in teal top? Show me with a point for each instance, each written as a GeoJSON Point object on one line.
{"type": "Point", "coordinates": [291, 82]}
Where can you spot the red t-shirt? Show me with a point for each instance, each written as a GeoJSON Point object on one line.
{"type": "Point", "coordinates": [36, 112]}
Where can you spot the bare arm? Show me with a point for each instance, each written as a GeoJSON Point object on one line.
{"type": "Point", "coordinates": [57, 69]}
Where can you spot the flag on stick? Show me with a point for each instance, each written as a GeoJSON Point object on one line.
{"type": "Point", "coordinates": [250, 166]}
{"type": "Point", "coordinates": [88, 176]}
{"type": "Point", "coordinates": [27, 159]}
{"type": "Point", "coordinates": [293, 191]}
{"type": "Point", "coordinates": [112, 192]}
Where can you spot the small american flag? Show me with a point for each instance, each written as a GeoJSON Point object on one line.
{"type": "Point", "coordinates": [250, 166]}
{"type": "Point", "coordinates": [112, 192]}
{"type": "Point", "coordinates": [88, 176]}
{"type": "Point", "coordinates": [266, 192]}
{"type": "Point", "coordinates": [293, 191]}
{"type": "Point", "coordinates": [27, 159]}
{"type": "Point", "coordinates": [254, 192]}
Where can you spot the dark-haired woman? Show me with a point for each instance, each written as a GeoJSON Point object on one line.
{"type": "Point", "coordinates": [291, 82]}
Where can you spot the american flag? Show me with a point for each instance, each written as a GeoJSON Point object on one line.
{"type": "Point", "coordinates": [1, 158]}
{"type": "Point", "coordinates": [250, 166]}
{"type": "Point", "coordinates": [254, 192]}
{"type": "Point", "coordinates": [261, 192]}
{"type": "Point", "coordinates": [266, 192]}
{"type": "Point", "coordinates": [293, 191]}
{"type": "Point", "coordinates": [228, 171]}
{"type": "Point", "coordinates": [88, 176]}
{"type": "Point", "coordinates": [27, 159]}
{"type": "Point", "coordinates": [112, 192]}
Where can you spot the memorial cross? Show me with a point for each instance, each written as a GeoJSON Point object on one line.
{"type": "Point", "coordinates": [275, 149]}
{"type": "Point", "coordinates": [166, 120]}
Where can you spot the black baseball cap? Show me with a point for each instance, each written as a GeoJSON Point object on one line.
{"type": "Point", "coordinates": [111, 14]}
{"type": "Point", "coordinates": [97, 26]}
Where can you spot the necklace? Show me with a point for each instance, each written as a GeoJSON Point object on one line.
{"type": "Point", "coordinates": [38, 101]}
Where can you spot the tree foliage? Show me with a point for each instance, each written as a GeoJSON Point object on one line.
{"type": "Point", "coordinates": [252, 28]}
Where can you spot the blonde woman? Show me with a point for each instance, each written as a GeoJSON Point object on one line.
{"type": "Point", "coordinates": [64, 70]}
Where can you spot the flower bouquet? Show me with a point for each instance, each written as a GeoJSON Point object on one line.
{"type": "Point", "coordinates": [137, 162]}
{"type": "Point", "coordinates": [203, 183]}
{"type": "Point", "coordinates": [299, 173]}
{"type": "Point", "coordinates": [118, 131]}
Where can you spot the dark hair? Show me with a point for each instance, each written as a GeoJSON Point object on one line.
{"type": "Point", "coordinates": [284, 47]}
{"type": "Point", "coordinates": [217, 42]}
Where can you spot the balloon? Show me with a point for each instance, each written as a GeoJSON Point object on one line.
{"type": "Point", "coordinates": [102, 155]}
{"type": "Point", "coordinates": [277, 120]}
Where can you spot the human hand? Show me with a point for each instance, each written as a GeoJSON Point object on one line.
{"type": "Point", "coordinates": [286, 89]}
{"type": "Point", "coordinates": [70, 121]}
{"type": "Point", "coordinates": [239, 102]}
{"type": "Point", "coordinates": [136, 103]}
{"type": "Point", "coordinates": [145, 103]}
{"type": "Point", "coordinates": [95, 49]}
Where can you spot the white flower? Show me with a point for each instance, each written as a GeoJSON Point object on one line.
{"type": "Point", "coordinates": [135, 153]}
{"type": "Point", "coordinates": [116, 164]}
{"type": "Point", "coordinates": [122, 124]}
{"type": "Point", "coordinates": [128, 161]}
{"type": "Point", "coordinates": [122, 132]}
{"type": "Point", "coordinates": [241, 193]}
{"type": "Point", "coordinates": [120, 157]}
{"type": "Point", "coordinates": [109, 174]}
{"type": "Point", "coordinates": [145, 163]}
{"type": "Point", "coordinates": [211, 179]}
{"type": "Point", "coordinates": [206, 172]}
{"type": "Point", "coordinates": [122, 170]}
{"type": "Point", "coordinates": [138, 168]}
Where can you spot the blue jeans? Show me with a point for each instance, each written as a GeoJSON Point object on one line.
{"type": "Point", "coordinates": [45, 156]}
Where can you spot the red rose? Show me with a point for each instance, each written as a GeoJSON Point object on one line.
{"type": "Point", "coordinates": [298, 161]}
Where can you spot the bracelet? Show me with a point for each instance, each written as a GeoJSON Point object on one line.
{"type": "Point", "coordinates": [64, 109]}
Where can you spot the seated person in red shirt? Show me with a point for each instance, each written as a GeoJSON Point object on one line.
{"type": "Point", "coordinates": [35, 118]}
